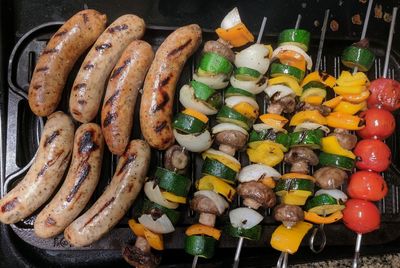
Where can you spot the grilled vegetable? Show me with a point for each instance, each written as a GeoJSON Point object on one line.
{"type": "Point", "coordinates": [288, 240]}
{"type": "Point", "coordinates": [296, 37]}
{"type": "Point", "coordinates": [332, 160]}
{"type": "Point", "coordinates": [359, 57]}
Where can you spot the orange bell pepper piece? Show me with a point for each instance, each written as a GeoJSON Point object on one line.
{"type": "Point", "coordinates": [155, 240]}
{"type": "Point", "coordinates": [237, 36]}
{"type": "Point", "coordinates": [345, 121]}
{"type": "Point", "coordinates": [200, 229]}
{"type": "Point", "coordinates": [317, 219]}
{"type": "Point", "coordinates": [137, 228]}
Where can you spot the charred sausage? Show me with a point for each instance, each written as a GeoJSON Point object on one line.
{"type": "Point", "coordinates": [89, 84]}
{"type": "Point", "coordinates": [116, 199]}
{"type": "Point", "coordinates": [46, 172]}
{"type": "Point", "coordinates": [58, 58]}
{"type": "Point", "coordinates": [79, 185]}
{"type": "Point", "coordinates": [160, 83]}
{"type": "Point", "coordinates": [119, 103]}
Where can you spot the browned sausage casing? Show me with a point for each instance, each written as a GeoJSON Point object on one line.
{"type": "Point", "coordinates": [123, 86]}
{"type": "Point", "coordinates": [46, 172]}
{"type": "Point", "coordinates": [116, 199]}
{"type": "Point", "coordinates": [61, 53]}
{"type": "Point", "coordinates": [79, 185]}
{"type": "Point", "coordinates": [89, 84]}
{"type": "Point", "coordinates": [159, 86]}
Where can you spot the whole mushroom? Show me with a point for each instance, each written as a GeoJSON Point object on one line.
{"type": "Point", "coordinates": [256, 195]}
{"type": "Point", "coordinates": [300, 158]}
{"type": "Point", "coordinates": [289, 215]}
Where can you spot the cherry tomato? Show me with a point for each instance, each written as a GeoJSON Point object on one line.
{"type": "Point", "coordinates": [379, 124]}
{"type": "Point", "coordinates": [385, 93]}
{"type": "Point", "coordinates": [372, 155]}
{"type": "Point", "coordinates": [367, 185]}
{"type": "Point", "coordinates": [361, 216]}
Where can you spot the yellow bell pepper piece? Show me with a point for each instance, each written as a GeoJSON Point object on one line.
{"type": "Point", "coordinates": [322, 77]}
{"type": "Point", "coordinates": [296, 197]}
{"type": "Point", "coordinates": [202, 117]}
{"type": "Point", "coordinates": [317, 219]}
{"type": "Point", "coordinates": [220, 158]}
{"type": "Point", "coordinates": [256, 144]}
{"type": "Point", "coordinates": [294, 175]}
{"type": "Point", "coordinates": [288, 81]}
{"type": "Point", "coordinates": [247, 110]}
{"type": "Point", "coordinates": [137, 228]}
{"type": "Point", "coordinates": [332, 103]}
{"type": "Point", "coordinates": [155, 240]}
{"type": "Point", "coordinates": [173, 198]}
{"type": "Point", "coordinates": [307, 116]}
{"type": "Point", "coordinates": [350, 108]}
{"type": "Point", "coordinates": [274, 120]}
{"type": "Point", "coordinates": [356, 98]}
{"type": "Point", "coordinates": [289, 240]}
{"type": "Point", "coordinates": [348, 79]}
{"type": "Point", "coordinates": [200, 229]}
{"type": "Point", "coordinates": [217, 185]}
{"type": "Point", "coordinates": [237, 36]}
{"type": "Point", "coordinates": [331, 145]}
{"type": "Point", "coordinates": [346, 121]}
{"type": "Point", "coordinates": [267, 153]}
{"type": "Point", "coordinates": [345, 90]}
{"type": "Point", "coordinates": [314, 100]}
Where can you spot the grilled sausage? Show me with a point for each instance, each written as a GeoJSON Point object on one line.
{"type": "Point", "coordinates": [119, 103]}
{"type": "Point", "coordinates": [79, 185]}
{"type": "Point", "coordinates": [46, 172]}
{"type": "Point", "coordinates": [160, 83]}
{"type": "Point", "coordinates": [116, 199]}
{"type": "Point", "coordinates": [89, 84]}
{"type": "Point", "coordinates": [60, 55]}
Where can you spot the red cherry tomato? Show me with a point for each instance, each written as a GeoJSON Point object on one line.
{"type": "Point", "coordinates": [379, 124]}
{"type": "Point", "coordinates": [361, 216]}
{"type": "Point", "coordinates": [385, 93]}
{"type": "Point", "coordinates": [372, 155]}
{"type": "Point", "coordinates": [367, 185]}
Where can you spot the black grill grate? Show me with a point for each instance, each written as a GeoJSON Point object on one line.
{"type": "Point", "coordinates": [23, 133]}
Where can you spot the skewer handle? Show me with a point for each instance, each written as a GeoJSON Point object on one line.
{"type": "Point", "coordinates": [283, 260]}
{"type": "Point", "coordinates": [319, 229]}
{"type": "Point", "coordinates": [389, 44]}
{"type": "Point", "coordinates": [356, 258]}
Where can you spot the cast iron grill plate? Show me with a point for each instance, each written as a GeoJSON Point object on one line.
{"type": "Point", "coordinates": [23, 134]}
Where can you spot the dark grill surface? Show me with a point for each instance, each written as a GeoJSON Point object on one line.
{"type": "Point", "coordinates": [23, 133]}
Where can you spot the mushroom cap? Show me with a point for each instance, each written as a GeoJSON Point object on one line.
{"type": "Point", "coordinates": [301, 154]}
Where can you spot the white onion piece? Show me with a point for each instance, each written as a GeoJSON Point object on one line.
{"type": "Point", "coordinates": [231, 19]}
{"type": "Point", "coordinates": [311, 126]}
{"type": "Point", "coordinates": [218, 200]}
{"type": "Point", "coordinates": [194, 143]}
{"type": "Point", "coordinates": [245, 218]}
{"type": "Point", "coordinates": [295, 49]}
{"type": "Point", "coordinates": [256, 172]}
{"type": "Point", "coordinates": [214, 81]}
{"type": "Point", "coordinates": [228, 127]}
{"type": "Point", "coordinates": [154, 194]}
{"type": "Point", "coordinates": [254, 57]}
{"type": "Point", "coordinates": [335, 193]}
{"type": "Point", "coordinates": [225, 155]}
{"type": "Point", "coordinates": [188, 100]}
{"type": "Point", "coordinates": [162, 225]}
{"type": "Point", "coordinates": [250, 86]}
{"type": "Point", "coordinates": [284, 91]}
{"type": "Point", "coordinates": [235, 100]}
{"type": "Point", "coordinates": [262, 126]}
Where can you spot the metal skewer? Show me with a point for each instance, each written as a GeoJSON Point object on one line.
{"type": "Point", "coordinates": [240, 242]}
{"type": "Point", "coordinates": [390, 40]}
{"type": "Point", "coordinates": [321, 40]}
{"type": "Point", "coordinates": [365, 27]}
{"type": "Point", "coordinates": [284, 257]}
{"type": "Point", "coordinates": [357, 251]}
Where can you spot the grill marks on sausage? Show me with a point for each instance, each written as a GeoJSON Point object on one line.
{"type": "Point", "coordinates": [179, 49]}
{"type": "Point", "coordinates": [50, 51]}
{"type": "Point", "coordinates": [110, 117]}
{"type": "Point", "coordinates": [60, 33]}
{"type": "Point", "coordinates": [50, 163]}
{"type": "Point", "coordinates": [36, 87]}
{"type": "Point", "coordinates": [118, 70]}
{"type": "Point", "coordinates": [88, 66]}
{"type": "Point", "coordinates": [50, 221]}
{"type": "Point", "coordinates": [102, 47]}
{"type": "Point", "coordinates": [112, 98]}
{"type": "Point", "coordinates": [163, 95]}
{"type": "Point", "coordinates": [86, 143]}
{"type": "Point", "coordinates": [108, 203]}
{"type": "Point", "coordinates": [42, 69]}
{"type": "Point", "coordinates": [80, 86]}
{"type": "Point", "coordinates": [82, 102]}
{"type": "Point", "coordinates": [10, 205]}
{"type": "Point", "coordinates": [51, 138]}
{"type": "Point", "coordinates": [83, 174]}
{"type": "Point", "coordinates": [125, 165]}
{"type": "Point", "coordinates": [158, 128]}
{"type": "Point", "coordinates": [85, 18]}
{"type": "Point", "coordinates": [117, 28]}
